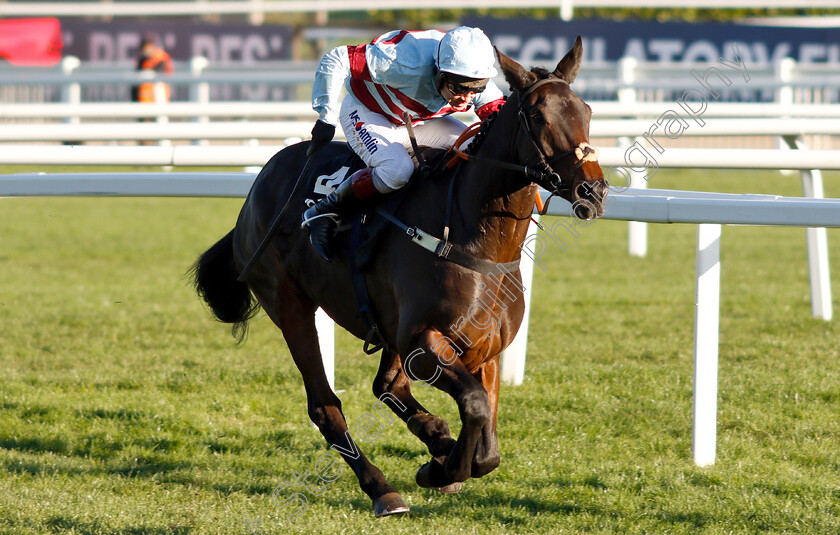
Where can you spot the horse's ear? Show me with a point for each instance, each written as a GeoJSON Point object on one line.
{"type": "Point", "coordinates": [517, 76]}
{"type": "Point", "coordinates": [569, 66]}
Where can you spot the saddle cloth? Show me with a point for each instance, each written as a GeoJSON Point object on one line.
{"type": "Point", "coordinates": [368, 225]}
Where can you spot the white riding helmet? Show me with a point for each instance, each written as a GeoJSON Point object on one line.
{"type": "Point", "coordinates": [466, 52]}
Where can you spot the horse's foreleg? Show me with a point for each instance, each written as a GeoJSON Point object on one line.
{"type": "Point", "coordinates": [473, 405]}
{"type": "Point", "coordinates": [393, 388]}
{"type": "Point", "coordinates": [294, 313]}
{"type": "Point", "coordinates": [487, 458]}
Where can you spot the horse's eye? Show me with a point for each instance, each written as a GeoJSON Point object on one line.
{"type": "Point", "coordinates": [537, 119]}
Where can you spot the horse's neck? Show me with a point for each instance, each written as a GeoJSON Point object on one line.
{"type": "Point", "coordinates": [495, 203]}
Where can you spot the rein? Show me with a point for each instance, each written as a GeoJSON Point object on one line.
{"type": "Point", "coordinates": [542, 170]}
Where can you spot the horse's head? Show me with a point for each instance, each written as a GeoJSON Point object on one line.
{"type": "Point", "coordinates": [553, 138]}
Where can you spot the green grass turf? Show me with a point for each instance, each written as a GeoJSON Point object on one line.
{"type": "Point", "coordinates": [126, 409]}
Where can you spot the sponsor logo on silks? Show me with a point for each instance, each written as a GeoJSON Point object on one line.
{"type": "Point", "coordinates": [362, 133]}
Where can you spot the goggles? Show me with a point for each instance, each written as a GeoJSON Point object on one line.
{"type": "Point", "coordinates": [462, 85]}
{"type": "Point", "coordinates": [461, 89]}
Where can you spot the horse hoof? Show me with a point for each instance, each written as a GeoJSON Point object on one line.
{"type": "Point", "coordinates": [423, 478]}
{"type": "Point", "coordinates": [451, 489]}
{"type": "Point", "coordinates": [389, 504]}
{"type": "Point", "coordinates": [431, 476]}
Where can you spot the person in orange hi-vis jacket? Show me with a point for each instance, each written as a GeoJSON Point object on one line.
{"type": "Point", "coordinates": [151, 58]}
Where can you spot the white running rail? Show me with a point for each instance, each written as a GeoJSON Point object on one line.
{"type": "Point", "coordinates": [708, 210]}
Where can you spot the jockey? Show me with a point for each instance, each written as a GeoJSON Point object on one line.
{"type": "Point", "coordinates": [429, 74]}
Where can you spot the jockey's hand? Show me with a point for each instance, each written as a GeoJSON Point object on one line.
{"type": "Point", "coordinates": [322, 133]}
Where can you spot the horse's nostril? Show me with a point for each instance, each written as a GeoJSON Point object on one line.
{"type": "Point", "coordinates": [591, 191]}
{"type": "Point", "coordinates": [584, 210]}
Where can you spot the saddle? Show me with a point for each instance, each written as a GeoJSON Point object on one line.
{"type": "Point", "coordinates": [358, 236]}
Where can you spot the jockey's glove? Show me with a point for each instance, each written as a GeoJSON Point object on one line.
{"type": "Point", "coordinates": [322, 133]}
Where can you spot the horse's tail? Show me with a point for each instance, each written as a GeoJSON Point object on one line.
{"type": "Point", "coordinates": [215, 278]}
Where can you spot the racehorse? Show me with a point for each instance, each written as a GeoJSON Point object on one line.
{"type": "Point", "coordinates": [444, 316]}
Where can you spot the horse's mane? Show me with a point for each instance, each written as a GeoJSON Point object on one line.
{"type": "Point", "coordinates": [482, 133]}
{"type": "Point", "coordinates": [541, 72]}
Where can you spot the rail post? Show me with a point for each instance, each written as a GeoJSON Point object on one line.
{"type": "Point", "coordinates": [199, 91]}
{"type": "Point", "coordinates": [513, 358]}
{"type": "Point", "coordinates": [817, 239]}
{"type": "Point", "coordinates": [706, 332]}
{"type": "Point", "coordinates": [637, 242]}
{"type": "Point", "coordinates": [325, 327]}
{"type": "Point", "coordinates": [71, 92]}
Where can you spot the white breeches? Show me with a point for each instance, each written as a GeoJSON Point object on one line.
{"type": "Point", "coordinates": [386, 147]}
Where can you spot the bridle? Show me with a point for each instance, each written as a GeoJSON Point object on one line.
{"type": "Point", "coordinates": [545, 166]}
{"type": "Point", "coordinates": [541, 170]}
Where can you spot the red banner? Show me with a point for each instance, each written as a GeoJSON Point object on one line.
{"type": "Point", "coordinates": [33, 42]}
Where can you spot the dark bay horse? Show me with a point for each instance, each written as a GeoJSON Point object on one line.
{"type": "Point", "coordinates": [443, 322]}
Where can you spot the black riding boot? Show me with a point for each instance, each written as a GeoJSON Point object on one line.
{"type": "Point", "coordinates": [322, 218]}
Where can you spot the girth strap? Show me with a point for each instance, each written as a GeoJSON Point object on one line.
{"type": "Point", "coordinates": [374, 341]}
{"type": "Point", "coordinates": [450, 251]}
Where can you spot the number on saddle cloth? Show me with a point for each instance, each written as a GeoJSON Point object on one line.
{"type": "Point", "coordinates": [335, 162]}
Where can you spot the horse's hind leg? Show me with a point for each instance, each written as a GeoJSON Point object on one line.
{"type": "Point", "coordinates": [294, 313]}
